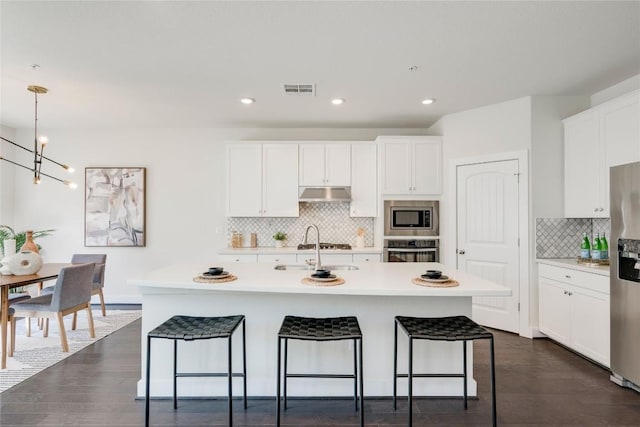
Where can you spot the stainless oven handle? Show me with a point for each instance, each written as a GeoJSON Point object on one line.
{"type": "Point", "coordinates": [410, 250]}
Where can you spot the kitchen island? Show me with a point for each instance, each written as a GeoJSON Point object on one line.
{"type": "Point", "coordinates": [375, 293]}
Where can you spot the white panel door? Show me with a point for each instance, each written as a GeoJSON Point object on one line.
{"type": "Point", "coordinates": [244, 180]}
{"type": "Point", "coordinates": [487, 206]}
{"type": "Point", "coordinates": [280, 180]}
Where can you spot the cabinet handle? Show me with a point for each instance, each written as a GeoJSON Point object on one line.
{"type": "Point", "coordinates": [595, 209]}
{"type": "Point", "coordinates": [461, 252]}
{"type": "Point", "coordinates": [567, 276]}
{"type": "Point", "coordinates": [569, 293]}
{"type": "Point", "coordinates": [601, 209]}
{"type": "Point", "coordinates": [565, 292]}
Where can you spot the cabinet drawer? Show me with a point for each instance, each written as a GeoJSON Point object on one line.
{"type": "Point", "coordinates": [277, 258]}
{"type": "Point", "coordinates": [238, 258]}
{"type": "Point", "coordinates": [366, 257]}
{"type": "Point", "coordinates": [592, 281]}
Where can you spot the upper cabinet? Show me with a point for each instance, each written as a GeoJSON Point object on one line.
{"type": "Point", "coordinates": [324, 165]}
{"type": "Point", "coordinates": [364, 167]}
{"type": "Point", "coordinates": [411, 165]}
{"type": "Point", "coordinates": [262, 180]}
{"type": "Point", "coordinates": [594, 140]}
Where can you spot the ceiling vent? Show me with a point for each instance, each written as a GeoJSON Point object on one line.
{"type": "Point", "coordinates": [299, 89]}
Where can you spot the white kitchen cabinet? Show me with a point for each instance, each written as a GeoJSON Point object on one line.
{"type": "Point", "coordinates": [325, 164]}
{"type": "Point", "coordinates": [411, 165]}
{"type": "Point", "coordinates": [327, 259]}
{"type": "Point", "coordinates": [603, 136]}
{"type": "Point", "coordinates": [364, 173]}
{"type": "Point", "coordinates": [262, 180]}
{"type": "Point", "coordinates": [574, 310]}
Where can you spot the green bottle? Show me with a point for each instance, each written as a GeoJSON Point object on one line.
{"type": "Point", "coordinates": [596, 247]}
{"type": "Point", "coordinates": [604, 250]}
{"type": "Point", "coordinates": [585, 248]}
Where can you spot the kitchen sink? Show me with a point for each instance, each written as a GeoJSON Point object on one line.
{"type": "Point", "coordinates": [311, 267]}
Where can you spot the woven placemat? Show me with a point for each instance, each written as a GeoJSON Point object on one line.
{"type": "Point", "coordinates": [200, 279]}
{"type": "Point", "coordinates": [310, 281]}
{"type": "Point", "coordinates": [448, 284]}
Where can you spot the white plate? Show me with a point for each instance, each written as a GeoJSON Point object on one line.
{"type": "Point", "coordinates": [331, 278]}
{"type": "Point", "coordinates": [216, 276]}
{"type": "Point", "coordinates": [442, 279]}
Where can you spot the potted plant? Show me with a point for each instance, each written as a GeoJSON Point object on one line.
{"type": "Point", "coordinates": [7, 232]}
{"type": "Point", "coordinates": [279, 237]}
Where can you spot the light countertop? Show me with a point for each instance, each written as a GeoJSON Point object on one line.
{"type": "Point", "coordinates": [271, 250]}
{"type": "Point", "coordinates": [372, 279]}
{"type": "Point", "coordinates": [573, 264]}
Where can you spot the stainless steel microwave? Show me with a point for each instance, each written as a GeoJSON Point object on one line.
{"type": "Point", "coordinates": [411, 218]}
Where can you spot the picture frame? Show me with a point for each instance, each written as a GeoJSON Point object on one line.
{"type": "Point", "coordinates": [115, 206]}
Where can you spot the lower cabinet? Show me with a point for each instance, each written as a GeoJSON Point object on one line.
{"type": "Point", "coordinates": [238, 258]}
{"type": "Point", "coordinates": [574, 310]}
{"type": "Point", "coordinates": [327, 259]}
{"type": "Point", "coordinates": [277, 258]}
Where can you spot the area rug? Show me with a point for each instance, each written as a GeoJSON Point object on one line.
{"type": "Point", "coordinates": [35, 353]}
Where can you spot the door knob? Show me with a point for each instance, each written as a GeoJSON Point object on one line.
{"type": "Point", "coordinates": [461, 252]}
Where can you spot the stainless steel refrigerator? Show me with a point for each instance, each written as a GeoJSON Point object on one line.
{"type": "Point", "coordinates": [625, 274]}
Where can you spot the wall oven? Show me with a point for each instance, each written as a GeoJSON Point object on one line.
{"type": "Point", "coordinates": [409, 250]}
{"type": "Point", "coordinates": [411, 218]}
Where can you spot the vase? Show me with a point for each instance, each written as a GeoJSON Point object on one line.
{"type": "Point", "coordinates": [28, 244]}
{"type": "Point", "coordinates": [25, 262]}
{"type": "Point", "coordinates": [8, 251]}
{"type": "Point", "coordinates": [279, 243]}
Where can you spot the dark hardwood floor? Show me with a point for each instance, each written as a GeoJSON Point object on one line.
{"type": "Point", "coordinates": [538, 383]}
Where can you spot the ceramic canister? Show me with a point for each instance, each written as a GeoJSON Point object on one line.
{"type": "Point", "coordinates": [25, 262]}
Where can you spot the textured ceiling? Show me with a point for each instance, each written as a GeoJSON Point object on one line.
{"type": "Point", "coordinates": [187, 63]}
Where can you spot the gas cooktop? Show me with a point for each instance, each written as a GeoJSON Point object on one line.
{"type": "Point", "coordinates": [344, 246]}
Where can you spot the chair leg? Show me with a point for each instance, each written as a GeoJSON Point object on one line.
{"type": "Point", "coordinates": [45, 332]}
{"type": "Point", "coordinates": [175, 374]}
{"type": "Point", "coordinates": [244, 362]}
{"type": "Point", "coordinates": [286, 343]}
{"type": "Point", "coordinates": [355, 373]}
{"type": "Point", "coordinates": [230, 385]}
{"type": "Point", "coordinates": [410, 381]}
{"type": "Point", "coordinates": [464, 370]}
{"type": "Point", "coordinates": [63, 333]}
{"type": "Point", "coordinates": [361, 386]}
{"type": "Point", "coordinates": [493, 387]}
{"type": "Point", "coordinates": [12, 348]}
{"type": "Point", "coordinates": [395, 365]}
{"type": "Point", "coordinates": [278, 384]}
{"type": "Point", "coordinates": [92, 331]}
{"type": "Point", "coordinates": [147, 385]}
{"type": "Point", "coordinates": [74, 322]}
{"type": "Point", "coordinates": [28, 320]}
{"type": "Point", "coordinates": [104, 310]}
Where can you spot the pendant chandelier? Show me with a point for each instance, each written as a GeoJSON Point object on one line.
{"type": "Point", "coordinates": [39, 143]}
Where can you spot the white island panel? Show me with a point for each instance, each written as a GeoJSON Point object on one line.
{"type": "Point", "coordinates": [374, 294]}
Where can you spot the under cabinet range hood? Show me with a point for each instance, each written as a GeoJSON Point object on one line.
{"type": "Point", "coordinates": [325, 194]}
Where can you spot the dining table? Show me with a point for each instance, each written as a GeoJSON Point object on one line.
{"type": "Point", "coordinates": [48, 271]}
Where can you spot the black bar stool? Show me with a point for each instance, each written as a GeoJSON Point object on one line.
{"type": "Point", "coordinates": [454, 328]}
{"type": "Point", "coordinates": [187, 328]}
{"type": "Point", "coordinates": [322, 329]}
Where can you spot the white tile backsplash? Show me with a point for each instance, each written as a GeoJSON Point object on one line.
{"type": "Point", "coordinates": [561, 237]}
{"type": "Point", "coordinates": [333, 220]}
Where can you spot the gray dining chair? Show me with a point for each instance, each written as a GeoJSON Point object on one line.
{"type": "Point", "coordinates": [100, 261]}
{"type": "Point", "coordinates": [71, 293]}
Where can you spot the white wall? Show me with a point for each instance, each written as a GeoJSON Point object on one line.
{"type": "Point", "coordinates": [486, 130]}
{"type": "Point", "coordinates": [7, 172]}
{"type": "Point", "coordinates": [185, 179]}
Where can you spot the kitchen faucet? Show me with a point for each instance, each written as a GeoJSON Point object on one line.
{"type": "Point", "coordinates": [306, 232]}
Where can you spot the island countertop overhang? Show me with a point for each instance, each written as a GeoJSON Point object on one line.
{"type": "Point", "coordinates": [371, 279]}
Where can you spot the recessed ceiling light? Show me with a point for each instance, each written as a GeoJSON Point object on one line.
{"type": "Point", "coordinates": [428, 101]}
{"type": "Point", "coordinates": [337, 101]}
{"type": "Point", "coordinates": [247, 101]}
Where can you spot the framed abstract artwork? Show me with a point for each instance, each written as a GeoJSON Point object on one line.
{"type": "Point", "coordinates": [114, 207]}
